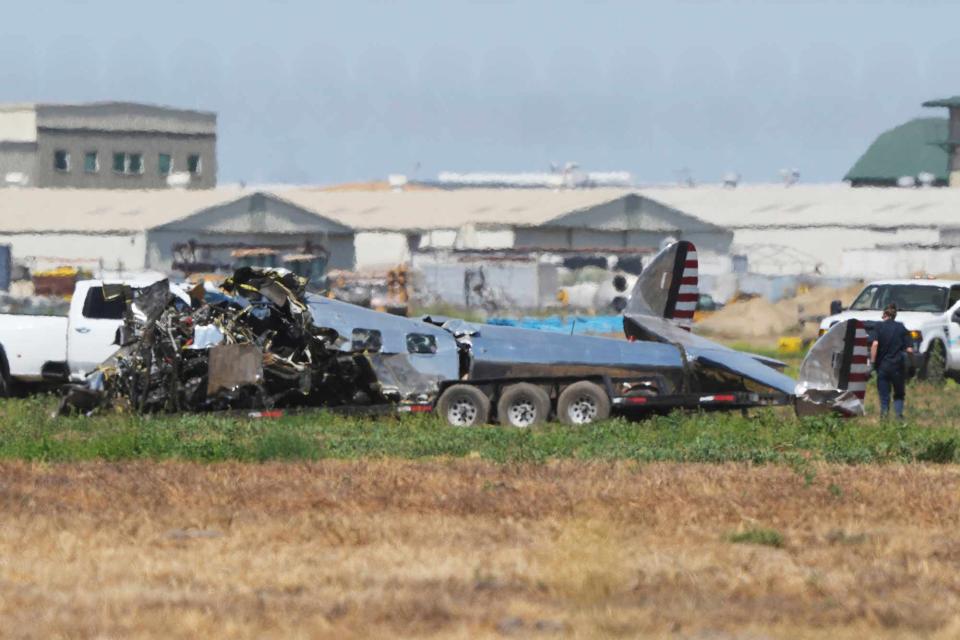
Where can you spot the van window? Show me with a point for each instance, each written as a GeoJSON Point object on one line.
{"type": "Point", "coordinates": [97, 308]}
{"type": "Point", "coordinates": [421, 343]}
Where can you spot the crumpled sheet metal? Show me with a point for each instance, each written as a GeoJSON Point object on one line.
{"type": "Point", "coordinates": [251, 344]}
{"type": "Point", "coordinates": [833, 375]}
{"type": "Point", "coordinates": [401, 377]}
{"type": "Point", "coordinates": [234, 365]}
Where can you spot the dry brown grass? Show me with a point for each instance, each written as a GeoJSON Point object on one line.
{"type": "Point", "coordinates": [467, 548]}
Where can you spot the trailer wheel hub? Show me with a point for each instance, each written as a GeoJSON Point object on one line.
{"type": "Point", "coordinates": [462, 413]}
{"type": "Point", "coordinates": [583, 410]}
{"type": "Point", "coordinates": [523, 414]}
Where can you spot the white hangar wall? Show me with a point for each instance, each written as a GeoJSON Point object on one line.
{"type": "Point", "coordinates": [816, 250]}
{"type": "Point", "coordinates": [112, 252]}
{"type": "Point", "coordinates": [901, 261]}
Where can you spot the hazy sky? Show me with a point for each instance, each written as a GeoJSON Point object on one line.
{"type": "Point", "coordinates": [333, 91]}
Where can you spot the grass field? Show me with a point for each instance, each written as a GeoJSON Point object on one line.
{"type": "Point", "coordinates": [932, 434]}
{"type": "Point", "coordinates": [469, 548]}
{"type": "Point", "coordinates": [688, 525]}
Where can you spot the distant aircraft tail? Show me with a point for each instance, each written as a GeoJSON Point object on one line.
{"type": "Point", "coordinates": [667, 287]}
{"type": "Point", "coordinates": [833, 376]}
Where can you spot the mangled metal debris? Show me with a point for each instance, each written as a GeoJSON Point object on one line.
{"type": "Point", "coordinates": [250, 344]}
{"type": "Point", "coordinates": [261, 342]}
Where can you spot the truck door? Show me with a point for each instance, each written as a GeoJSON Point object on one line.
{"type": "Point", "coordinates": [953, 328]}
{"type": "Point", "coordinates": [92, 329]}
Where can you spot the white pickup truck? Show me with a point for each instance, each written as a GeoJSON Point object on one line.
{"type": "Point", "coordinates": [929, 309]}
{"type": "Point", "coordinates": [38, 349]}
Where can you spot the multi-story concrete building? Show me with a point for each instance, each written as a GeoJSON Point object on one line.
{"type": "Point", "coordinates": [107, 145]}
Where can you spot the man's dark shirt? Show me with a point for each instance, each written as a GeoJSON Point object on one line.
{"type": "Point", "coordinates": [892, 342]}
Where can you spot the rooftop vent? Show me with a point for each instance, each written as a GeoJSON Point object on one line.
{"type": "Point", "coordinates": [906, 181]}
{"type": "Point", "coordinates": [790, 176]}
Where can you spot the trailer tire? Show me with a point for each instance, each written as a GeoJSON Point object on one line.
{"type": "Point", "coordinates": [582, 403]}
{"type": "Point", "coordinates": [523, 405]}
{"type": "Point", "coordinates": [463, 405]}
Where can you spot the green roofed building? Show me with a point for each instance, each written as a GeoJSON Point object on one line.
{"type": "Point", "coordinates": [950, 140]}
{"type": "Point", "coordinates": [910, 150]}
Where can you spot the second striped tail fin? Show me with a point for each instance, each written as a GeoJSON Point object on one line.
{"type": "Point", "coordinates": [835, 372]}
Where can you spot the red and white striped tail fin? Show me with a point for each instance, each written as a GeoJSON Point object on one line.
{"type": "Point", "coordinates": [833, 376]}
{"type": "Point", "coordinates": [859, 361]}
{"type": "Point", "coordinates": [668, 286]}
{"type": "Point", "coordinates": [688, 292]}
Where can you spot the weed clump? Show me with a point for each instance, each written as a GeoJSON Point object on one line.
{"type": "Point", "coordinates": [939, 452]}
{"type": "Point", "coordinates": [766, 537]}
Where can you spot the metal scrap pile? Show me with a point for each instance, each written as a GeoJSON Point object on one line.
{"type": "Point", "coordinates": [252, 343]}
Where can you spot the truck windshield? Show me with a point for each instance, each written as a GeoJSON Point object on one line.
{"type": "Point", "coordinates": [907, 297]}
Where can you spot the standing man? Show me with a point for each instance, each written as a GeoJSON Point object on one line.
{"type": "Point", "coordinates": [890, 342]}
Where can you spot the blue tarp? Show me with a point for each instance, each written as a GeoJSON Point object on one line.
{"type": "Point", "coordinates": [564, 324]}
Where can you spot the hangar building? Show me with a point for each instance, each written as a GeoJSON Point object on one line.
{"type": "Point", "coordinates": [831, 229]}
{"type": "Point", "coordinates": [135, 231]}
{"type": "Point", "coordinates": [392, 224]}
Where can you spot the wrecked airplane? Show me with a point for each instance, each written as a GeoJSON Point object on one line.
{"type": "Point", "coordinates": [261, 343]}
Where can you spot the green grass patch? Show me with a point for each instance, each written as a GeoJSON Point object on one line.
{"type": "Point", "coordinates": [766, 537]}
{"type": "Point", "coordinates": [27, 431]}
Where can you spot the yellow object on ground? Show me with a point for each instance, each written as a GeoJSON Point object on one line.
{"type": "Point", "coordinates": [790, 344]}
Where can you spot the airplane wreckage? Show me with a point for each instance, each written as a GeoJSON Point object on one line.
{"type": "Point", "coordinates": [261, 344]}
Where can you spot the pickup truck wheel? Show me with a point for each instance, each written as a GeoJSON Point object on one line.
{"type": "Point", "coordinates": [935, 365]}
{"type": "Point", "coordinates": [523, 405]}
{"type": "Point", "coordinates": [463, 405]}
{"type": "Point", "coordinates": [582, 403]}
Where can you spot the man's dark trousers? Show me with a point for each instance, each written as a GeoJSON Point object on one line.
{"type": "Point", "coordinates": [888, 377]}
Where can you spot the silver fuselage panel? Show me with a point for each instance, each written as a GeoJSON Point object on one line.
{"type": "Point", "coordinates": [511, 352]}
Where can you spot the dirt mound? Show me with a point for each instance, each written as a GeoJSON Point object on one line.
{"type": "Point", "coordinates": [758, 317]}
{"type": "Point", "coordinates": [753, 318]}
{"type": "Point", "coordinates": [815, 302]}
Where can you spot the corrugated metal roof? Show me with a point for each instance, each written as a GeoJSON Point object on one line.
{"type": "Point", "coordinates": [744, 207]}
{"type": "Point", "coordinates": [907, 150]}
{"type": "Point", "coordinates": [426, 210]}
{"type": "Point", "coordinates": [814, 206]}
{"type": "Point", "coordinates": [103, 210]}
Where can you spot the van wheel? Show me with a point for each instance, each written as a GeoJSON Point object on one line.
{"type": "Point", "coordinates": [935, 365]}
{"type": "Point", "coordinates": [582, 403]}
{"type": "Point", "coordinates": [523, 405]}
{"type": "Point", "coordinates": [463, 405]}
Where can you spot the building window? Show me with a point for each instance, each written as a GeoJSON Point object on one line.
{"type": "Point", "coordinates": [194, 165]}
{"type": "Point", "coordinates": [129, 164]}
{"type": "Point", "coordinates": [61, 160]}
{"type": "Point", "coordinates": [135, 163]}
{"type": "Point", "coordinates": [165, 164]}
{"type": "Point", "coordinates": [91, 162]}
